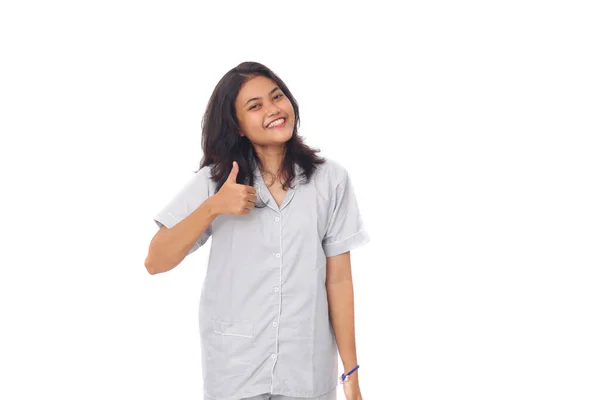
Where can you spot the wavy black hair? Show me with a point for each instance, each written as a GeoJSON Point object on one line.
{"type": "Point", "coordinates": [222, 144]}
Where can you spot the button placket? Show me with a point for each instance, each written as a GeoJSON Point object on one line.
{"type": "Point", "coordinates": [278, 255]}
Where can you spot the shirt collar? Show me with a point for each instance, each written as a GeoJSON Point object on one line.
{"type": "Point", "coordinates": [265, 195]}
{"type": "Point", "coordinates": [297, 170]}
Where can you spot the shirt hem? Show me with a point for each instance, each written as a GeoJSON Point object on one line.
{"type": "Point", "coordinates": [305, 394]}
{"type": "Point", "coordinates": [258, 390]}
{"type": "Point", "coordinates": [267, 389]}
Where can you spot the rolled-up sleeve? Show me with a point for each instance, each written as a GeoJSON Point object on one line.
{"type": "Point", "coordinates": [345, 227]}
{"type": "Point", "coordinates": [188, 199]}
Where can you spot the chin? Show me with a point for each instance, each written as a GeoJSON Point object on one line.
{"type": "Point", "coordinates": [281, 137]}
{"type": "Point", "coordinates": [288, 137]}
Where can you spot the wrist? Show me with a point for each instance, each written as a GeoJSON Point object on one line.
{"type": "Point", "coordinates": [212, 205]}
{"type": "Point", "coordinates": [350, 374]}
{"type": "Point", "coordinates": [352, 379]}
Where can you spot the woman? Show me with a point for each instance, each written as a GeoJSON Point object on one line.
{"type": "Point", "coordinates": [277, 301]}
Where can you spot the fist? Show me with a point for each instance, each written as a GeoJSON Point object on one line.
{"type": "Point", "coordinates": [234, 198]}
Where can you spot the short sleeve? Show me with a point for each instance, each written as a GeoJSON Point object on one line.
{"type": "Point", "coordinates": [345, 228]}
{"type": "Point", "coordinates": [188, 199]}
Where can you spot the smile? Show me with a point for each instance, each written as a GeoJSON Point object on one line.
{"type": "Point", "coordinates": [278, 123]}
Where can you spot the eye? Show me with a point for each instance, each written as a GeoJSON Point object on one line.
{"type": "Point", "coordinates": [278, 96]}
{"type": "Point", "coordinates": [254, 106]}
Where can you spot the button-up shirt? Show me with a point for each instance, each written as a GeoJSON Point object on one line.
{"type": "Point", "coordinates": [264, 319]}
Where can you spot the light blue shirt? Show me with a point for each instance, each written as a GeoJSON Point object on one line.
{"type": "Point", "coordinates": [264, 318]}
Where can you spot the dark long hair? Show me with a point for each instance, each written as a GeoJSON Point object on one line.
{"type": "Point", "coordinates": [222, 144]}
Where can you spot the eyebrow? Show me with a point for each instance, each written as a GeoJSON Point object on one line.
{"type": "Point", "coordinates": [256, 98]}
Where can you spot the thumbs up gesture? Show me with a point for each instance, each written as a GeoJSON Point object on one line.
{"type": "Point", "coordinates": [234, 198]}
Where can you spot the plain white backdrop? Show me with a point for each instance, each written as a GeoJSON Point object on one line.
{"type": "Point", "coordinates": [471, 132]}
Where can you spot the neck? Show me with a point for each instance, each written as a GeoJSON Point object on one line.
{"type": "Point", "coordinates": [271, 158]}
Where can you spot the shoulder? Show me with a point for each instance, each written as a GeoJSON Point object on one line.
{"type": "Point", "coordinates": [200, 176]}
{"type": "Point", "coordinates": [200, 179]}
{"type": "Point", "coordinates": [331, 172]}
{"type": "Point", "coordinates": [204, 172]}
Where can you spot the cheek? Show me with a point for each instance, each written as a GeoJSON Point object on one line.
{"type": "Point", "coordinates": [257, 122]}
{"type": "Point", "coordinates": [289, 109]}
{"type": "Point", "coordinates": [254, 123]}
{"type": "Point", "coordinates": [289, 106]}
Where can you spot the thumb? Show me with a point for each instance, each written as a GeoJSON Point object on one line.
{"type": "Point", "coordinates": [233, 174]}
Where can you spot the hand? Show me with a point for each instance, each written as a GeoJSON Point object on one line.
{"type": "Point", "coordinates": [234, 198]}
{"type": "Point", "coordinates": [351, 390]}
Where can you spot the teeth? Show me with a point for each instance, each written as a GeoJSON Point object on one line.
{"type": "Point", "coordinates": [276, 122]}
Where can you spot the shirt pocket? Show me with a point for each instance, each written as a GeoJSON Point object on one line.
{"type": "Point", "coordinates": [235, 339]}
{"type": "Point", "coordinates": [234, 328]}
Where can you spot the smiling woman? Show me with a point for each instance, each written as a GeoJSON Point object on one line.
{"type": "Point", "coordinates": [242, 123]}
{"type": "Point", "coordinates": [274, 308]}
{"type": "Point", "coordinates": [266, 117]}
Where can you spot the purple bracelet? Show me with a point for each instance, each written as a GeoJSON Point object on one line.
{"type": "Point", "coordinates": [344, 377]}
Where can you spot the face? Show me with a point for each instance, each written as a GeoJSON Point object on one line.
{"type": "Point", "coordinates": [264, 113]}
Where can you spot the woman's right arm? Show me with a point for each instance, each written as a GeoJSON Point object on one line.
{"type": "Point", "coordinates": [170, 246]}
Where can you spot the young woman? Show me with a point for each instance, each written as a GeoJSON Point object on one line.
{"type": "Point", "coordinates": [277, 302]}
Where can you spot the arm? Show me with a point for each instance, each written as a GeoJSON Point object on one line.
{"type": "Point", "coordinates": [170, 246]}
{"type": "Point", "coordinates": [340, 295]}
{"type": "Point", "coordinates": [195, 210]}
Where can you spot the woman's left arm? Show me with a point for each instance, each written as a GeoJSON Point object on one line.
{"type": "Point", "coordinates": [340, 296]}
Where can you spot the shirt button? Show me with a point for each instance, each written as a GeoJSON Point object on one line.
{"type": "Point", "coordinates": [277, 219]}
{"type": "Point", "coordinates": [277, 255]}
{"type": "Point", "coordinates": [273, 356]}
{"type": "Point", "coordinates": [276, 289]}
{"type": "Point", "coordinates": [274, 323]}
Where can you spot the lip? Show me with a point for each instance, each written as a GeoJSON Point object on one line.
{"type": "Point", "coordinates": [275, 119]}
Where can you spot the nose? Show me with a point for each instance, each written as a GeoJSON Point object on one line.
{"type": "Point", "coordinates": [273, 111]}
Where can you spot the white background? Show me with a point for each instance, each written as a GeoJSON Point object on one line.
{"type": "Point", "coordinates": [470, 130]}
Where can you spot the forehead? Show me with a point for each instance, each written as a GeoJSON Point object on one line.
{"type": "Point", "coordinates": [258, 86]}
